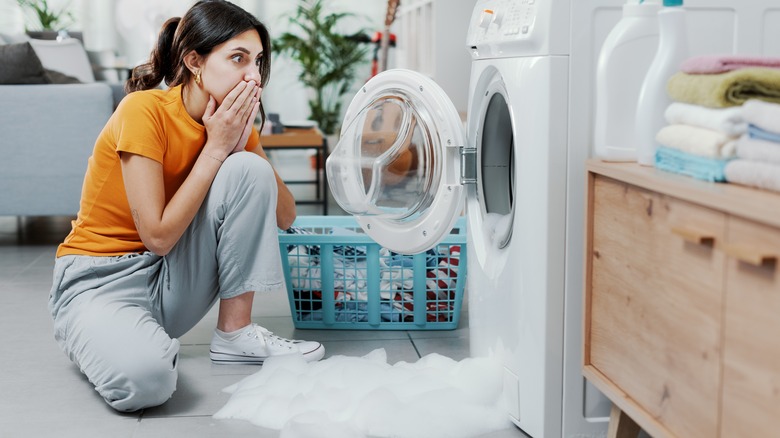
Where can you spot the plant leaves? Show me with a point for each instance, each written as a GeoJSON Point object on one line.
{"type": "Point", "coordinates": [328, 58]}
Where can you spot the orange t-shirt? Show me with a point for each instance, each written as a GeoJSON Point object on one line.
{"type": "Point", "coordinates": [151, 123]}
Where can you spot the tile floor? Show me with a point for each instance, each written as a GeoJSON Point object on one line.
{"type": "Point", "coordinates": [43, 394]}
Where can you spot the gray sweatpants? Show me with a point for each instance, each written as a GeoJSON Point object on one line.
{"type": "Point", "coordinates": [118, 318]}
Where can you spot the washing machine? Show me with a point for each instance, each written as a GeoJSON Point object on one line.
{"type": "Point", "coordinates": [406, 168]}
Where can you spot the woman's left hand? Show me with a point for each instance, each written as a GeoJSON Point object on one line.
{"type": "Point", "coordinates": [249, 124]}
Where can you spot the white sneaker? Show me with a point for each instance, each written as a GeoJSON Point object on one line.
{"type": "Point", "coordinates": [255, 344]}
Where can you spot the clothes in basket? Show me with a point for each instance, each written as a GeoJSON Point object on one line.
{"type": "Point", "coordinates": [404, 284]}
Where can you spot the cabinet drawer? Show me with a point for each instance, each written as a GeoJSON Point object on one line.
{"type": "Point", "coordinates": [654, 302]}
{"type": "Point", "coordinates": [751, 354]}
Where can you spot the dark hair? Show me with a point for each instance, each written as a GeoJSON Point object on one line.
{"type": "Point", "coordinates": [207, 24]}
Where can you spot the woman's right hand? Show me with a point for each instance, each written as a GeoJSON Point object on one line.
{"type": "Point", "coordinates": [225, 125]}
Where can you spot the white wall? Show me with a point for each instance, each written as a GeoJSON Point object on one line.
{"type": "Point", "coordinates": [14, 19]}
{"type": "Point", "coordinates": [434, 43]}
{"type": "Point", "coordinates": [11, 17]}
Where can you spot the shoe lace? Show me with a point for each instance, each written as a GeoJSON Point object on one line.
{"type": "Point", "coordinates": [272, 339]}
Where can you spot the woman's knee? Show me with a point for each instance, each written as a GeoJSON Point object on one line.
{"type": "Point", "coordinates": [249, 166]}
{"type": "Point", "coordinates": [246, 175]}
{"type": "Point", "coordinates": [144, 383]}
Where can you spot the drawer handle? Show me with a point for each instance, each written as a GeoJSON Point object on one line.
{"type": "Point", "coordinates": [697, 237]}
{"type": "Point", "coordinates": [750, 255]}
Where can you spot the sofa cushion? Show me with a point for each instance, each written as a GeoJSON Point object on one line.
{"type": "Point", "coordinates": [20, 65]}
{"type": "Point", "coordinates": [13, 38]}
{"type": "Point", "coordinates": [55, 77]}
{"type": "Point", "coordinates": [67, 56]}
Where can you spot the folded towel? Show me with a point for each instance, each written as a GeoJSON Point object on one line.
{"type": "Point", "coordinates": [758, 150]}
{"type": "Point", "coordinates": [765, 115]}
{"type": "Point", "coordinates": [677, 161]}
{"type": "Point", "coordinates": [709, 64]}
{"type": "Point", "coordinates": [754, 174]}
{"type": "Point", "coordinates": [726, 120]}
{"type": "Point", "coordinates": [702, 142]}
{"type": "Point", "coordinates": [760, 134]}
{"type": "Point", "coordinates": [726, 89]}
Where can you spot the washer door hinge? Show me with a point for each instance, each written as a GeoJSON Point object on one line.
{"type": "Point", "coordinates": [468, 165]}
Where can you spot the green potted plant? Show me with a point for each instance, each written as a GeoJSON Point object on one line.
{"type": "Point", "coordinates": [328, 59]}
{"type": "Point", "coordinates": [49, 18]}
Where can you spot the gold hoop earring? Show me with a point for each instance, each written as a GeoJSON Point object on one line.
{"type": "Point", "coordinates": [197, 78]}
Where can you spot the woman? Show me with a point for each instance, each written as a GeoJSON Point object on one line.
{"type": "Point", "coordinates": [175, 215]}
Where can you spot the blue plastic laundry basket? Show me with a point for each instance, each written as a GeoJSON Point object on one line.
{"type": "Point", "coordinates": [337, 277]}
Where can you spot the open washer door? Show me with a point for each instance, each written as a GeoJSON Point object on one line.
{"type": "Point", "coordinates": [397, 166]}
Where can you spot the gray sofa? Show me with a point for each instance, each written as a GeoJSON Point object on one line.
{"type": "Point", "coordinates": [47, 133]}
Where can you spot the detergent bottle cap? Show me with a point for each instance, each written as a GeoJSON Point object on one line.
{"type": "Point", "coordinates": [673, 2]}
{"type": "Point", "coordinates": [639, 8]}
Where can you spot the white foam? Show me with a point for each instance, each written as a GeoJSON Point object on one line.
{"type": "Point", "coordinates": [345, 397]}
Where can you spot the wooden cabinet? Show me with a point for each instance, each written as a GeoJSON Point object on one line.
{"type": "Point", "coordinates": [751, 354]}
{"type": "Point", "coordinates": [656, 304]}
{"type": "Point", "coordinates": [682, 294]}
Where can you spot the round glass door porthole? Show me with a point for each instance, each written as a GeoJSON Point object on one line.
{"type": "Point", "coordinates": [388, 153]}
{"type": "Point", "coordinates": [396, 166]}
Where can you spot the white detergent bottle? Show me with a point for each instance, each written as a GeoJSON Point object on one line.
{"type": "Point", "coordinates": [653, 97]}
{"type": "Point", "coordinates": [623, 62]}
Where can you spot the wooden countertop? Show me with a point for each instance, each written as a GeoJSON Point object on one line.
{"type": "Point", "coordinates": [293, 137]}
{"type": "Point", "coordinates": [749, 203]}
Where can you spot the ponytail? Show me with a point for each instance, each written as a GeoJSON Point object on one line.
{"type": "Point", "coordinates": [160, 66]}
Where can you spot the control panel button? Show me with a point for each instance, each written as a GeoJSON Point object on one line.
{"type": "Point", "coordinates": [498, 18]}
{"type": "Point", "coordinates": [485, 18]}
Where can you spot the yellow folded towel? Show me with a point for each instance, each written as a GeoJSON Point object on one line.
{"type": "Point", "coordinates": [702, 142]}
{"type": "Point", "coordinates": [726, 89]}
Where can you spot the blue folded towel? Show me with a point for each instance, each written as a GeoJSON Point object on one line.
{"type": "Point", "coordinates": [762, 134]}
{"type": "Point", "coordinates": [677, 161]}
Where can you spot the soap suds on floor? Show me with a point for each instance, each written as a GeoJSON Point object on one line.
{"type": "Point", "coordinates": [365, 396]}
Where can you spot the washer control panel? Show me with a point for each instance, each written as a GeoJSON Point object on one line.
{"type": "Point", "coordinates": [504, 20]}
{"type": "Point", "coordinates": [499, 27]}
